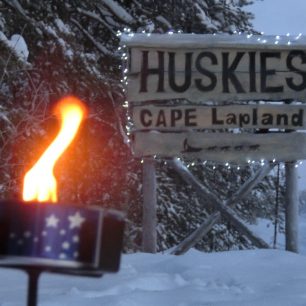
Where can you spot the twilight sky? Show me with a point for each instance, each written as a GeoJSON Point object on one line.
{"type": "Point", "coordinates": [282, 17]}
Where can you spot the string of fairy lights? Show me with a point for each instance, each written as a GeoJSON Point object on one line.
{"type": "Point", "coordinates": [123, 52]}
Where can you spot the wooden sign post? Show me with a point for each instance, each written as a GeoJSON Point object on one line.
{"type": "Point", "coordinates": [149, 206]}
{"type": "Point", "coordinates": [212, 69]}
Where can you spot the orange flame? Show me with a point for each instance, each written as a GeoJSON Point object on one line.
{"type": "Point", "coordinates": [39, 182]}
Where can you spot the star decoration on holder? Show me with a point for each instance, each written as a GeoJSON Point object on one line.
{"type": "Point", "coordinates": [52, 221]}
{"type": "Point", "coordinates": [76, 220]}
{"type": "Point", "coordinates": [60, 235]}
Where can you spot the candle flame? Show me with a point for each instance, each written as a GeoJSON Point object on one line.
{"type": "Point", "coordinates": [39, 182]}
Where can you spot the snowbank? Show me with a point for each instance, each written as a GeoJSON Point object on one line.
{"type": "Point", "coordinates": [258, 277]}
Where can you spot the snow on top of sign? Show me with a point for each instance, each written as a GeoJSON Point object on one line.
{"type": "Point", "coordinates": [213, 40]}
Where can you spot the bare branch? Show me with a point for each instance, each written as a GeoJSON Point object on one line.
{"type": "Point", "coordinates": [96, 17]}
{"type": "Point", "coordinates": [119, 11]}
{"type": "Point", "coordinates": [100, 47]}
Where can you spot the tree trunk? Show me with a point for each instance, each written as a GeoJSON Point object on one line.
{"type": "Point", "coordinates": [149, 206]}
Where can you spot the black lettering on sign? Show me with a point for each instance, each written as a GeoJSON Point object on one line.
{"type": "Point", "coordinates": [290, 81]}
{"type": "Point", "coordinates": [187, 148]}
{"type": "Point", "coordinates": [297, 119]}
{"type": "Point", "coordinates": [244, 119]}
{"type": "Point", "coordinates": [172, 72]}
{"type": "Point", "coordinates": [254, 116]}
{"type": "Point", "coordinates": [280, 118]}
{"type": "Point", "coordinates": [252, 71]}
{"type": "Point", "coordinates": [229, 72]}
{"type": "Point", "coordinates": [161, 119]}
{"type": "Point", "coordinates": [267, 119]}
{"type": "Point", "coordinates": [145, 117]}
{"type": "Point", "coordinates": [146, 71]}
{"type": "Point", "coordinates": [265, 72]}
{"type": "Point", "coordinates": [212, 77]}
{"type": "Point", "coordinates": [231, 118]}
{"type": "Point", "coordinates": [214, 117]}
{"type": "Point", "coordinates": [190, 114]}
{"type": "Point", "coordinates": [176, 114]}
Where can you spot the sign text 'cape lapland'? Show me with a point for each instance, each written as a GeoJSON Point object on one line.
{"type": "Point", "coordinates": [268, 116]}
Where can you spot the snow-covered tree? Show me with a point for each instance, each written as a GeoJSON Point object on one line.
{"type": "Point", "coordinates": [52, 48]}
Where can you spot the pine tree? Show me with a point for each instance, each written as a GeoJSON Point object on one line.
{"type": "Point", "coordinates": [73, 48]}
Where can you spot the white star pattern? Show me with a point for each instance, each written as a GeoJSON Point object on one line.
{"type": "Point", "coordinates": [52, 221]}
{"type": "Point", "coordinates": [62, 256]}
{"type": "Point", "coordinates": [56, 235]}
{"type": "Point", "coordinates": [27, 234]}
{"type": "Point", "coordinates": [62, 232]}
{"type": "Point", "coordinates": [75, 239]}
{"type": "Point", "coordinates": [48, 248]}
{"type": "Point", "coordinates": [65, 245]}
{"type": "Point", "coordinates": [76, 220]}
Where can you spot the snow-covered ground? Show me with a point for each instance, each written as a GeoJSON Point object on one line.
{"type": "Point", "coordinates": [255, 277]}
{"type": "Point", "coordinates": [238, 278]}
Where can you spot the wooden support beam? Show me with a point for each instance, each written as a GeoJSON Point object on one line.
{"type": "Point", "coordinates": [197, 235]}
{"type": "Point", "coordinates": [149, 222]}
{"type": "Point", "coordinates": [205, 194]}
{"type": "Point", "coordinates": [291, 208]}
{"type": "Point", "coordinates": [213, 219]}
{"type": "Point", "coordinates": [250, 184]}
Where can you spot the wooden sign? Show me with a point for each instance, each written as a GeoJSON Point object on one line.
{"type": "Point", "coordinates": [266, 116]}
{"type": "Point", "coordinates": [222, 147]}
{"type": "Point", "coordinates": [216, 67]}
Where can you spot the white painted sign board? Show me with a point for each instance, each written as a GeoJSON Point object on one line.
{"type": "Point", "coordinates": [267, 116]}
{"type": "Point", "coordinates": [216, 67]}
{"type": "Point", "coordinates": [222, 147]}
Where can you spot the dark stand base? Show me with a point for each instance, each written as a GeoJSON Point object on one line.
{"type": "Point", "coordinates": [98, 235]}
{"type": "Point", "coordinates": [35, 272]}
{"type": "Point", "coordinates": [33, 277]}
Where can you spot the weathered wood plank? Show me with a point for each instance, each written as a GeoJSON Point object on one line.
{"type": "Point", "coordinates": [248, 185]}
{"type": "Point", "coordinates": [222, 147]}
{"type": "Point", "coordinates": [192, 41]}
{"type": "Point", "coordinates": [197, 235]}
{"type": "Point", "coordinates": [216, 68]}
{"type": "Point", "coordinates": [266, 116]}
{"type": "Point", "coordinates": [228, 213]}
{"type": "Point", "coordinates": [213, 219]}
{"type": "Point", "coordinates": [222, 90]}
{"type": "Point", "coordinates": [200, 59]}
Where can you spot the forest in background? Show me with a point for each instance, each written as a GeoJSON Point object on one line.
{"type": "Point", "coordinates": [73, 49]}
